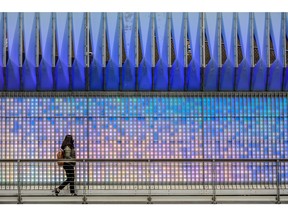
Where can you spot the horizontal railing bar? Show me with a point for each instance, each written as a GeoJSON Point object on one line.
{"type": "Point", "coordinates": [145, 160]}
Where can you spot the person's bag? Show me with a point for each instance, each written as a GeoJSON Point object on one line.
{"type": "Point", "coordinates": [60, 156]}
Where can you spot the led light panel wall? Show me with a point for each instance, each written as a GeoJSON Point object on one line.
{"type": "Point", "coordinates": [230, 127]}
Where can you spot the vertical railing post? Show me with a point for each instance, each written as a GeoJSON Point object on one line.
{"type": "Point", "coordinates": [84, 183]}
{"type": "Point", "coordinates": [18, 183]}
{"type": "Point", "coordinates": [213, 183]}
{"type": "Point", "coordinates": [149, 199]}
{"type": "Point", "coordinates": [278, 183]}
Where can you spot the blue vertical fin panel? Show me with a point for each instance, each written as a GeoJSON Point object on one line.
{"type": "Point", "coordinates": [46, 43]}
{"type": "Point", "coordinates": [211, 69]}
{"type": "Point", "coordinates": [128, 72]}
{"type": "Point", "coordinates": [285, 87]}
{"type": "Point", "coordinates": [277, 35]}
{"type": "Point", "coordinates": [145, 67]}
{"type": "Point", "coordinates": [29, 66]}
{"type": "Point", "coordinates": [13, 64]}
{"type": "Point", "coordinates": [1, 51]}
{"type": "Point", "coordinates": [113, 39]}
{"type": "Point", "coordinates": [62, 38]}
{"type": "Point", "coordinates": [244, 68]}
{"type": "Point", "coordinates": [177, 69]}
{"type": "Point", "coordinates": [96, 35]}
{"type": "Point", "coordinates": [228, 68]}
{"type": "Point", "coordinates": [259, 78]}
{"type": "Point", "coordinates": [161, 68]}
{"type": "Point", "coordinates": [78, 66]}
{"type": "Point", "coordinates": [194, 67]}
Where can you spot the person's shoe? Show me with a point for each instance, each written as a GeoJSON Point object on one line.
{"type": "Point", "coordinates": [73, 194]}
{"type": "Point", "coordinates": [56, 191]}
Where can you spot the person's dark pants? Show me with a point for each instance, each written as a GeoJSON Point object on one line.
{"type": "Point", "coordinates": [69, 169]}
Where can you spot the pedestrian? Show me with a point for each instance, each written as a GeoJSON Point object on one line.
{"type": "Point", "coordinates": [69, 154]}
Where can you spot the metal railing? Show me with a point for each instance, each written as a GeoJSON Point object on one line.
{"type": "Point", "coordinates": [147, 175]}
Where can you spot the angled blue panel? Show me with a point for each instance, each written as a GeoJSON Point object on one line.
{"type": "Point", "coordinates": [13, 34]}
{"type": "Point", "coordinates": [285, 87]}
{"type": "Point", "coordinates": [128, 71]}
{"type": "Point", "coordinates": [211, 69]}
{"type": "Point", "coordinates": [244, 68]}
{"type": "Point", "coordinates": [286, 76]}
{"type": "Point", "coordinates": [29, 66]}
{"type": "Point", "coordinates": [62, 37]}
{"type": "Point", "coordinates": [194, 67]}
{"type": "Point", "coordinates": [277, 35]}
{"type": "Point", "coordinates": [96, 32]}
{"type": "Point", "coordinates": [161, 68]}
{"type": "Point", "coordinates": [177, 70]}
{"type": "Point", "coordinates": [145, 67]}
{"type": "Point", "coordinates": [78, 67]}
{"type": "Point", "coordinates": [1, 51]}
{"type": "Point", "coordinates": [113, 39]}
{"type": "Point", "coordinates": [46, 43]}
{"type": "Point", "coordinates": [259, 78]}
{"type": "Point", "coordinates": [228, 68]}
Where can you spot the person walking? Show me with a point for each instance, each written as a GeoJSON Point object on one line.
{"type": "Point", "coordinates": [69, 154]}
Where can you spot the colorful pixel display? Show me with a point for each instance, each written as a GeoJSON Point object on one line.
{"type": "Point", "coordinates": [145, 128]}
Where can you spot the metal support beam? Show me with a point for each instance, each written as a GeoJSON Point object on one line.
{"type": "Point", "coordinates": [236, 63]}
{"type": "Point", "coordinates": [153, 36]}
{"type": "Point", "coordinates": [278, 182]}
{"type": "Point", "coordinates": [37, 35]}
{"type": "Point", "coordinates": [219, 41]}
{"type": "Point", "coordinates": [19, 199]}
{"type": "Point", "coordinates": [185, 50]}
{"type": "Point", "coordinates": [283, 27]}
{"type": "Point", "coordinates": [70, 49]}
{"type": "Point", "coordinates": [213, 183]}
{"type": "Point", "coordinates": [54, 50]}
{"type": "Point", "coordinates": [169, 48]}
{"type": "Point", "coordinates": [267, 26]}
{"type": "Point", "coordinates": [21, 49]}
{"type": "Point", "coordinates": [136, 50]}
{"type": "Point", "coordinates": [5, 48]}
{"type": "Point", "coordinates": [87, 49]}
{"type": "Point", "coordinates": [120, 50]}
{"type": "Point", "coordinates": [251, 19]}
{"type": "Point", "coordinates": [104, 50]}
{"type": "Point", "coordinates": [85, 183]}
{"type": "Point", "coordinates": [202, 51]}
